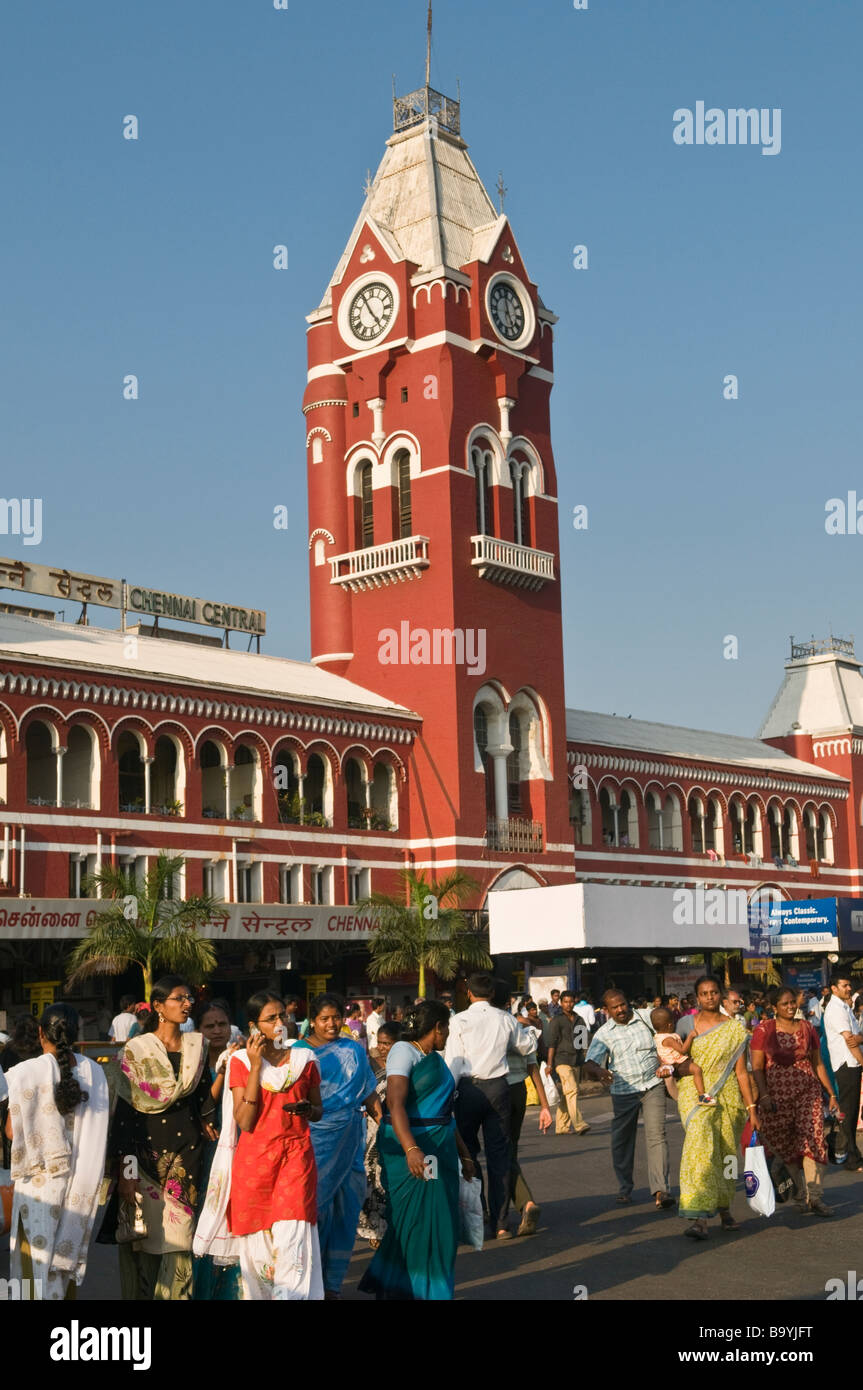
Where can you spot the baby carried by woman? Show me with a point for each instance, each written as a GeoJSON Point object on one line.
{"type": "Point", "coordinates": [673, 1053]}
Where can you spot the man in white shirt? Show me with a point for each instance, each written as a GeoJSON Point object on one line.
{"type": "Point", "coordinates": [479, 1039]}
{"type": "Point", "coordinates": [585, 1010]}
{"type": "Point", "coordinates": [844, 1043]}
{"type": "Point", "coordinates": [374, 1021]}
{"type": "Point", "coordinates": [121, 1024]}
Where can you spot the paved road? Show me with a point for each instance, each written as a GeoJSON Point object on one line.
{"type": "Point", "coordinates": [623, 1253]}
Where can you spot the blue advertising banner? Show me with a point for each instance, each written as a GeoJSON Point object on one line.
{"type": "Point", "coordinates": [801, 924]}
{"type": "Point", "coordinates": [850, 923]}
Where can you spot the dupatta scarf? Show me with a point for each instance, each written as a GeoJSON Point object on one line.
{"type": "Point", "coordinates": [212, 1236]}
{"type": "Point", "coordinates": [152, 1085]}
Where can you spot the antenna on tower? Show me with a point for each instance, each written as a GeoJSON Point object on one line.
{"type": "Point", "coordinates": [428, 47]}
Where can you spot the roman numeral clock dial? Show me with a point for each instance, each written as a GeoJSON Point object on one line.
{"type": "Point", "coordinates": [507, 311]}
{"type": "Point", "coordinates": [371, 312]}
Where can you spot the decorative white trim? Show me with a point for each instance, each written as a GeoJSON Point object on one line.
{"type": "Point", "coordinates": [542, 374]}
{"type": "Point", "coordinates": [325, 369]}
{"type": "Point", "coordinates": [316, 405]}
{"type": "Point", "coordinates": [318, 429]}
{"type": "Point", "coordinates": [321, 531]}
{"type": "Point", "coordinates": [134, 701]}
{"type": "Point", "coordinates": [444, 282]}
{"type": "Point", "coordinates": [739, 776]}
{"type": "Point", "coordinates": [332, 656]}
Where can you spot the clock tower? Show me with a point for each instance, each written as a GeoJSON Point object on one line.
{"type": "Point", "coordinates": [433, 520]}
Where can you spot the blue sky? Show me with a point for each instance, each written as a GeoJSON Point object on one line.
{"type": "Point", "coordinates": [257, 127]}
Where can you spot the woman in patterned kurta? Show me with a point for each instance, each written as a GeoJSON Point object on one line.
{"type": "Point", "coordinates": [789, 1073]}
{"type": "Point", "coordinates": [713, 1132]}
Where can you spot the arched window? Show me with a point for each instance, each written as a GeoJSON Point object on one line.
{"type": "Point", "coordinates": [696, 824]}
{"type": "Point", "coordinates": [403, 466]}
{"type": "Point", "coordinates": [517, 473]}
{"type": "Point", "coordinates": [78, 768]}
{"type": "Point", "coordinates": [317, 449]}
{"type": "Point", "coordinates": [287, 785]}
{"type": "Point", "coordinates": [367, 513]}
{"type": "Point", "coordinates": [131, 772]}
{"type": "Point", "coordinates": [714, 838]}
{"type": "Point", "coordinates": [579, 816]}
{"type": "Point", "coordinates": [513, 768]}
{"type": "Point", "coordinates": [356, 794]}
{"type": "Point", "coordinates": [163, 778]}
{"type": "Point", "coordinates": [315, 782]}
{"type": "Point", "coordinates": [480, 733]}
{"type": "Point", "coordinates": [384, 804]}
{"type": "Point", "coordinates": [41, 765]}
{"type": "Point", "coordinates": [482, 469]}
{"type": "Point", "coordinates": [825, 838]}
{"type": "Point", "coordinates": [213, 781]}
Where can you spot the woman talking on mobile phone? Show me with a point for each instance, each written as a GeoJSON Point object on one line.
{"type": "Point", "coordinates": [272, 1204]}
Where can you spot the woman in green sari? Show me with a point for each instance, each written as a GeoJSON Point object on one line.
{"type": "Point", "coordinates": [419, 1149]}
{"type": "Point", "coordinates": [713, 1132]}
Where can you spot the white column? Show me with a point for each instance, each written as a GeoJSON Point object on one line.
{"type": "Point", "coordinates": [148, 762]}
{"type": "Point", "coordinates": [6, 854]}
{"type": "Point", "coordinates": [501, 803]}
{"type": "Point", "coordinates": [506, 404]}
{"type": "Point", "coordinates": [301, 784]}
{"type": "Point", "coordinates": [59, 756]}
{"type": "Point", "coordinates": [233, 897]}
{"type": "Point", "coordinates": [98, 860]}
{"type": "Point", "coordinates": [21, 870]}
{"type": "Point", "coordinates": [227, 771]}
{"type": "Point", "coordinates": [378, 432]}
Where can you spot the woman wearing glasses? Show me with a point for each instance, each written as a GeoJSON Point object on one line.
{"type": "Point", "coordinates": [261, 1199]}
{"type": "Point", "coordinates": [164, 1111]}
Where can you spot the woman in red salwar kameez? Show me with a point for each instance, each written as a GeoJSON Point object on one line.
{"type": "Point", "coordinates": [272, 1203]}
{"type": "Point", "coordinates": [793, 1086]}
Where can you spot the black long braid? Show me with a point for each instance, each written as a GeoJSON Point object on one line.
{"type": "Point", "coordinates": [60, 1024]}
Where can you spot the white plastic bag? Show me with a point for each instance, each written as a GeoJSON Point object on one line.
{"type": "Point", "coordinates": [552, 1094]}
{"type": "Point", "coordinates": [760, 1193]}
{"type": "Point", "coordinates": [470, 1211]}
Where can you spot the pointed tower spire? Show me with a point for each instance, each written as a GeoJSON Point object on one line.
{"type": "Point", "coordinates": [428, 46]}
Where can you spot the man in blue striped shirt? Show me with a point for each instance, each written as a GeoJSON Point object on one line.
{"type": "Point", "coordinates": [623, 1053]}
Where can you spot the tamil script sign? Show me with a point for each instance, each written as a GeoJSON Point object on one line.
{"type": "Point", "coordinates": [800, 924]}
{"type": "Point", "coordinates": [131, 598]}
{"type": "Point", "coordinates": [39, 919]}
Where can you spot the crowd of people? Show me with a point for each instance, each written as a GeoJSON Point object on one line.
{"type": "Point", "coordinates": [227, 1163]}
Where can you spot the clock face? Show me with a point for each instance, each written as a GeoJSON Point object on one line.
{"type": "Point", "coordinates": [371, 312]}
{"type": "Point", "coordinates": [507, 311]}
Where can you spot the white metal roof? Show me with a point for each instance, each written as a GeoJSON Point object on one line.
{"type": "Point", "coordinates": [159, 658]}
{"type": "Point", "coordinates": [822, 694]}
{"type": "Point", "coordinates": [429, 200]}
{"type": "Point", "coordinates": [614, 731]}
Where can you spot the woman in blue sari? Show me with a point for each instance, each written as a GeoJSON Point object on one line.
{"type": "Point", "coordinates": [419, 1149]}
{"type": "Point", "coordinates": [347, 1084]}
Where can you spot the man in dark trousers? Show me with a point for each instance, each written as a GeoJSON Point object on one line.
{"type": "Point", "coordinates": [479, 1039]}
{"type": "Point", "coordinates": [623, 1055]}
{"type": "Point", "coordinates": [565, 1056]}
{"type": "Point", "coordinates": [844, 1043]}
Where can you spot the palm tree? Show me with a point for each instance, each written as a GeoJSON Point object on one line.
{"type": "Point", "coordinates": [428, 932]}
{"type": "Point", "coordinates": [142, 926]}
{"type": "Point", "coordinates": [724, 959]}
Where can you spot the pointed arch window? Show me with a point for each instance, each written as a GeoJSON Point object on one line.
{"type": "Point", "coordinates": [513, 767]}
{"type": "Point", "coordinates": [482, 469]}
{"type": "Point", "coordinates": [367, 516]}
{"type": "Point", "coordinates": [517, 473]}
{"type": "Point", "coordinates": [403, 462]}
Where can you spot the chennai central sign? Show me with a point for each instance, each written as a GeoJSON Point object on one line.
{"type": "Point", "coordinates": [128, 598]}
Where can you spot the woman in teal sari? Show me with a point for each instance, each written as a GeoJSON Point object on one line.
{"type": "Point", "coordinates": [419, 1149]}
{"type": "Point", "coordinates": [711, 1147]}
{"type": "Point", "coordinates": [347, 1085]}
